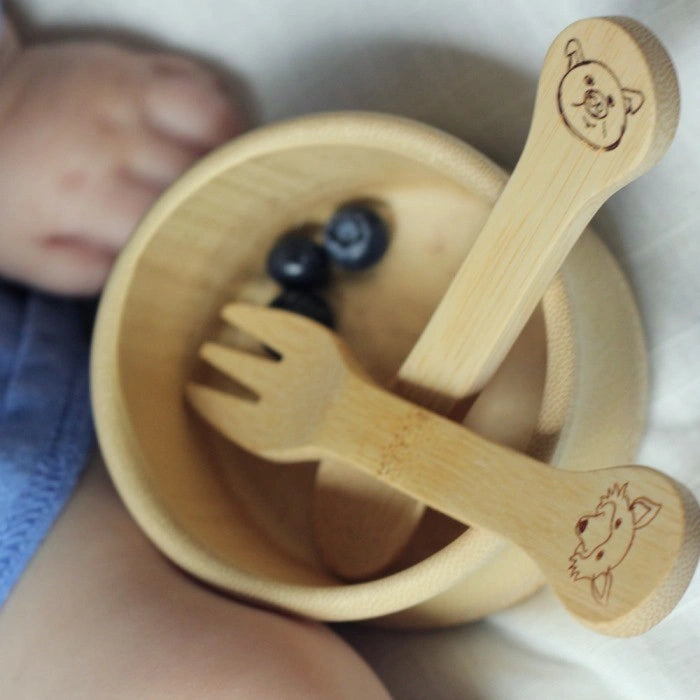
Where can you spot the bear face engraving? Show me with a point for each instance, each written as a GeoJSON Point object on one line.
{"type": "Point", "coordinates": [592, 102]}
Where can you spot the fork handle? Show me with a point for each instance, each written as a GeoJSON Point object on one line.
{"type": "Point", "coordinates": [579, 151]}
{"type": "Point", "coordinates": [539, 508]}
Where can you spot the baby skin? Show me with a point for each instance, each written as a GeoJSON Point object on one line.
{"type": "Point", "coordinates": [90, 134]}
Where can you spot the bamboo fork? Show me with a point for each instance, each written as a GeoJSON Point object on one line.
{"type": "Point", "coordinates": [618, 545]}
{"type": "Point", "coordinates": [606, 110]}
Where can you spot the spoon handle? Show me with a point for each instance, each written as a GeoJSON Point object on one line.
{"type": "Point", "coordinates": [606, 110]}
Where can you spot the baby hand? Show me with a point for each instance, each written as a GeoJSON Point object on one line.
{"type": "Point", "coordinates": [90, 134]}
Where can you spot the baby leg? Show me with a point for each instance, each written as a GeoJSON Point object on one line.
{"type": "Point", "coordinates": [99, 613]}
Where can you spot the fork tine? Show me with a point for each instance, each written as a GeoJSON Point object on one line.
{"type": "Point", "coordinates": [280, 330]}
{"type": "Point", "coordinates": [237, 419]}
{"type": "Point", "coordinates": [252, 371]}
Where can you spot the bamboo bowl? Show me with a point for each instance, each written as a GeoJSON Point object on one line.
{"type": "Point", "coordinates": [572, 391]}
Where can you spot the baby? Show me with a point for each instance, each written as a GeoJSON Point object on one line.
{"type": "Point", "coordinates": [90, 134]}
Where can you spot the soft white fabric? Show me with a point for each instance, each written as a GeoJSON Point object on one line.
{"type": "Point", "coordinates": [471, 68]}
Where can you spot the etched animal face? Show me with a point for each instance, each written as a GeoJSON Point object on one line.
{"type": "Point", "coordinates": [592, 102]}
{"type": "Point", "coordinates": [605, 536]}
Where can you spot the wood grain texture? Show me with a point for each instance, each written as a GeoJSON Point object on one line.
{"type": "Point", "coordinates": [606, 110]}
{"type": "Point", "coordinates": [240, 523]}
{"type": "Point", "coordinates": [617, 545]}
{"type": "Point", "coordinates": [558, 184]}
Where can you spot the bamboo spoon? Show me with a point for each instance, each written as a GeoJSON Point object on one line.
{"type": "Point", "coordinates": [606, 110]}
{"type": "Point", "coordinates": [618, 545]}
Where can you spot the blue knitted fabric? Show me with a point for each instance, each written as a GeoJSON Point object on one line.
{"type": "Point", "coordinates": [46, 432]}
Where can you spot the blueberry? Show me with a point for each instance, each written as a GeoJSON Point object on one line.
{"type": "Point", "coordinates": [306, 303]}
{"type": "Point", "coordinates": [355, 237]}
{"type": "Point", "coordinates": [296, 261]}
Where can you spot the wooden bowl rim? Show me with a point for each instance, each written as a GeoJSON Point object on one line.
{"type": "Point", "coordinates": [337, 600]}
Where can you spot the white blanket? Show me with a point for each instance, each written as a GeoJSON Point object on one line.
{"type": "Point", "coordinates": [471, 68]}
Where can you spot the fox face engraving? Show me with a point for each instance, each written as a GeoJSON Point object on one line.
{"type": "Point", "coordinates": [606, 535]}
{"type": "Point", "coordinates": [593, 103]}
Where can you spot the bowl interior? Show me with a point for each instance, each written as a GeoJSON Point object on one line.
{"type": "Point", "coordinates": [230, 518]}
